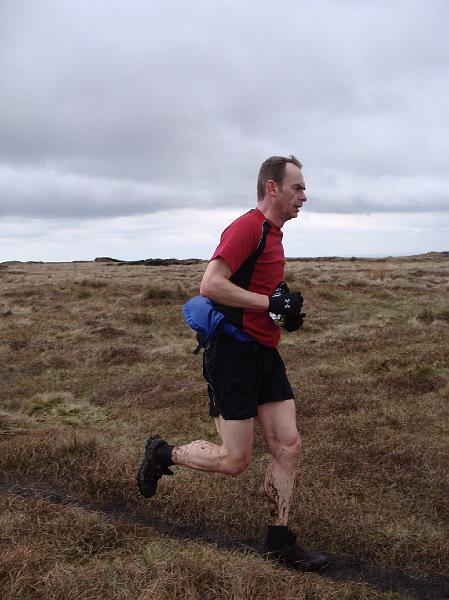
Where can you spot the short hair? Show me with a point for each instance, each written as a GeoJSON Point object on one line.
{"type": "Point", "coordinates": [274, 168]}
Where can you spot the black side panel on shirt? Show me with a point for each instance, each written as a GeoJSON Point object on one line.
{"type": "Point", "coordinates": [242, 277]}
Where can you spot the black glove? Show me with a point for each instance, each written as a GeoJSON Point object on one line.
{"type": "Point", "coordinates": [294, 322]}
{"type": "Point", "coordinates": [283, 302]}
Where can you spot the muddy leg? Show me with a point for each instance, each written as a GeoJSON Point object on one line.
{"type": "Point", "coordinates": [278, 424]}
{"type": "Point", "coordinates": [279, 487]}
{"type": "Point", "coordinates": [232, 457]}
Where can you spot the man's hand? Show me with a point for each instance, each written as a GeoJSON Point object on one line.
{"type": "Point", "coordinates": [285, 303]}
{"type": "Point", "coordinates": [287, 306]}
{"type": "Point", "coordinates": [293, 323]}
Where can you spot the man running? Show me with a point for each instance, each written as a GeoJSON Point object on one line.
{"type": "Point", "coordinates": [247, 381]}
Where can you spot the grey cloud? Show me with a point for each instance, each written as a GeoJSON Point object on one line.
{"type": "Point", "coordinates": [344, 193]}
{"type": "Point", "coordinates": [112, 108]}
{"type": "Point", "coordinates": [45, 194]}
{"type": "Point", "coordinates": [48, 194]}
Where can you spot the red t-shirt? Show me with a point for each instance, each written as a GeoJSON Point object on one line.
{"type": "Point", "coordinates": [252, 247]}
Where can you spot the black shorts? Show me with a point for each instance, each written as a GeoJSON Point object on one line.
{"type": "Point", "coordinates": [241, 376]}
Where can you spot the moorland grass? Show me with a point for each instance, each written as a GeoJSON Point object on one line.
{"type": "Point", "coordinates": [95, 356]}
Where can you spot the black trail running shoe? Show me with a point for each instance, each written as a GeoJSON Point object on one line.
{"type": "Point", "coordinates": [289, 553]}
{"type": "Point", "coordinates": [150, 470]}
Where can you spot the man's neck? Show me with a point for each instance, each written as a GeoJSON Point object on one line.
{"type": "Point", "coordinates": [269, 214]}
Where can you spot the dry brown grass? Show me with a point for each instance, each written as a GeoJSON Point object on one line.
{"type": "Point", "coordinates": [63, 552]}
{"type": "Point", "coordinates": [95, 356]}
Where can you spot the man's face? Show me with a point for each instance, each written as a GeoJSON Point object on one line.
{"type": "Point", "coordinates": [291, 194]}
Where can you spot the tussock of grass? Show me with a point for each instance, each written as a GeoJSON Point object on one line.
{"type": "Point", "coordinates": [18, 344]}
{"type": "Point", "coordinates": [93, 283]}
{"type": "Point", "coordinates": [22, 293]}
{"type": "Point", "coordinates": [426, 315]}
{"type": "Point", "coordinates": [164, 295]}
{"type": "Point", "coordinates": [10, 423]}
{"type": "Point", "coordinates": [329, 295]}
{"type": "Point", "coordinates": [5, 422]}
{"type": "Point", "coordinates": [108, 331]}
{"type": "Point", "coordinates": [62, 407]}
{"type": "Point", "coordinates": [379, 274]}
{"type": "Point", "coordinates": [121, 355]}
{"type": "Point", "coordinates": [356, 283]}
{"type": "Point", "coordinates": [44, 451]}
{"type": "Point", "coordinates": [141, 318]}
{"type": "Point", "coordinates": [443, 315]}
{"type": "Point", "coordinates": [151, 390]}
{"type": "Point", "coordinates": [420, 381]}
{"type": "Point", "coordinates": [53, 361]}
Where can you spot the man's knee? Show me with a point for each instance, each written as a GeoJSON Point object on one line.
{"type": "Point", "coordinates": [286, 447]}
{"type": "Point", "coordinates": [235, 464]}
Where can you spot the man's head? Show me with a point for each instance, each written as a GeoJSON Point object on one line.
{"type": "Point", "coordinates": [274, 169]}
{"type": "Point", "coordinates": [281, 189]}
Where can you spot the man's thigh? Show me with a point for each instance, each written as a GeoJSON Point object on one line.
{"type": "Point", "coordinates": [275, 385]}
{"type": "Point", "coordinates": [236, 436]}
{"type": "Point", "coordinates": [233, 372]}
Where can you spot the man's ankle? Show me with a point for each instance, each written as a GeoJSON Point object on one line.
{"type": "Point", "coordinates": [277, 535]}
{"type": "Point", "coordinates": [164, 455]}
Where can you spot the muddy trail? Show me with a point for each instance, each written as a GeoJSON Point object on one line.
{"type": "Point", "coordinates": [424, 587]}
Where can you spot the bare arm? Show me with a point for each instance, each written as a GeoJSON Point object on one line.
{"type": "Point", "coordinates": [216, 286]}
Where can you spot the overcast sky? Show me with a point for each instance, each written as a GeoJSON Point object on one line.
{"type": "Point", "coordinates": [136, 129]}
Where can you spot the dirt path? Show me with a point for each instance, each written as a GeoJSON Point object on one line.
{"type": "Point", "coordinates": [425, 587]}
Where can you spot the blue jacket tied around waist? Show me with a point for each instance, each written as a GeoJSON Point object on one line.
{"type": "Point", "coordinates": [201, 315]}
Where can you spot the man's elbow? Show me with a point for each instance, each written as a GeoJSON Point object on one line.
{"type": "Point", "coordinates": [215, 279]}
{"type": "Point", "coordinates": [207, 288]}
{"type": "Point", "coordinates": [211, 287]}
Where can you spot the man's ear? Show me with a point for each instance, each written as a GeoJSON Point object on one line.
{"type": "Point", "coordinates": [271, 187]}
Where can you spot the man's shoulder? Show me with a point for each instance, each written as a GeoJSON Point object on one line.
{"type": "Point", "coordinates": [240, 239]}
{"type": "Point", "coordinates": [251, 221]}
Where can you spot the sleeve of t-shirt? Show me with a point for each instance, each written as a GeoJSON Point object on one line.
{"type": "Point", "coordinates": [237, 242]}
